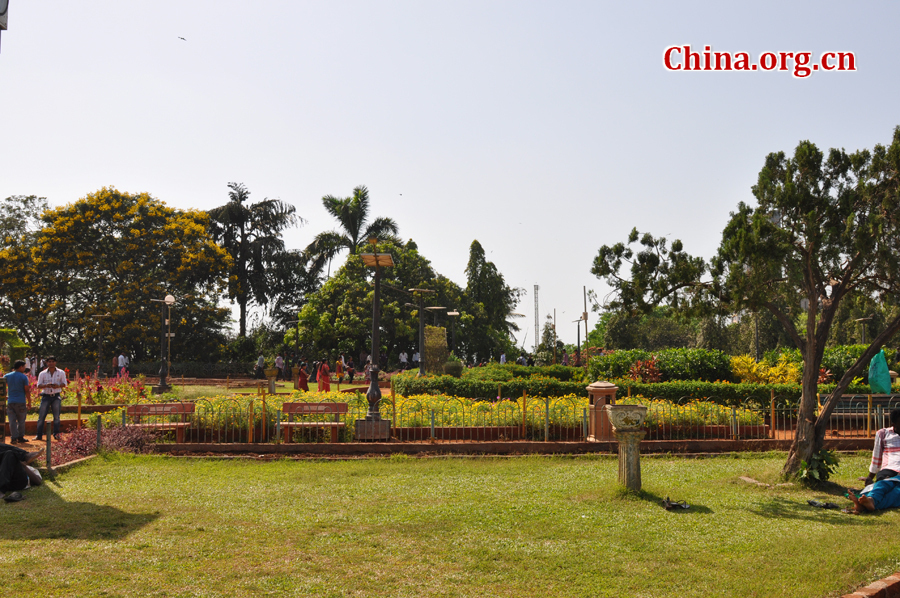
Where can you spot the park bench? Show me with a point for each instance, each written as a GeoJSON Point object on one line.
{"type": "Point", "coordinates": [307, 409]}
{"type": "Point", "coordinates": [161, 412]}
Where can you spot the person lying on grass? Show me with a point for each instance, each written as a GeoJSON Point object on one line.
{"type": "Point", "coordinates": [16, 472]}
{"type": "Point", "coordinates": [883, 494]}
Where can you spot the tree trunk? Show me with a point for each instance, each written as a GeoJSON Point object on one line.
{"type": "Point", "coordinates": [242, 302]}
{"type": "Point", "coordinates": [809, 437]}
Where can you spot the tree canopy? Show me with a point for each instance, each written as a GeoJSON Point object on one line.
{"type": "Point", "coordinates": [352, 214]}
{"type": "Point", "coordinates": [111, 252]}
{"type": "Point", "coordinates": [251, 234]}
{"type": "Point", "coordinates": [825, 228]}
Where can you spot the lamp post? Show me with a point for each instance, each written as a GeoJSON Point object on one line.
{"type": "Point", "coordinates": [377, 261]}
{"type": "Point", "coordinates": [434, 312]}
{"type": "Point", "coordinates": [100, 341]}
{"type": "Point", "coordinates": [421, 307]}
{"type": "Point", "coordinates": [863, 322]}
{"type": "Point", "coordinates": [453, 315]}
{"type": "Point", "coordinates": [163, 385]}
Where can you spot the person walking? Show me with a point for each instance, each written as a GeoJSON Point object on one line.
{"type": "Point", "coordinates": [279, 363]}
{"type": "Point", "coordinates": [324, 377]}
{"type": "Point", "coordinates": [303, 378]}
{"type": "Point", "coordinates": [50, 382]}
{"type": "Point", "coordinates": [260, 365]}
{"type": "Point", "coordinates": [17, 390]}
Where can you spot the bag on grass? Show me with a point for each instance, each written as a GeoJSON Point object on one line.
{"type": "Point", "coordinates": [879, 375]}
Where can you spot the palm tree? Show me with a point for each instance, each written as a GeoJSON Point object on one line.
{"type": "Point", "coordinates": [352, 213]}
{"type": "Point", "coordinates": [251, 233]}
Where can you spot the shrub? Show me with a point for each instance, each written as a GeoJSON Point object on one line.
{"type": "Point", "coordinates": [746, 369]}
{"type": "Point", "coordinates": [83, 443]}
{"type": "Point", "coordinates": [673, 364]}
{"type": "Point", "coordinates": [480, 387]}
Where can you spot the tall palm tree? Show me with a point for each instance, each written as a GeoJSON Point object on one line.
{"type": "Point", "coordinates": [352, 213]}
{"type": "Point", "coordinates": [251, 233]}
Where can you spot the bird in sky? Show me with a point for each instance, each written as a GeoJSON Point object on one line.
{"type": "Point", "coordinates": [181, 38]}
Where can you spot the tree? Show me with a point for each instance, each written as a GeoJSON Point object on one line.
{"type": "Point", "coordinates": [112, 252]}
{"type": "Point", "coordinates": [352, 213]}
{"type": "Point", "coordinates": [825, 228]}
{"type": "Point", "coordinates": [338, 317]}
{"type": "Point", "coordinates": [251, 234]}
{"type": "Point", "coordinates": [491, 302]}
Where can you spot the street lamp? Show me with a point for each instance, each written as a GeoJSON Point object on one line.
{"type": "Point", "coordinates": [453, 314]}
{"type": "Point", "coordinates": [421, 307]}
{"type": "Point", "coordinates": [100, 341]}
{"type": "Point", "coordinates": [434, 311]}
{"type": "Point", "coordinates": [163, 385]}
{"type": "Point", "coordinates": [862, 321]}
{"type": "Point", "coordinates": [377, 261]}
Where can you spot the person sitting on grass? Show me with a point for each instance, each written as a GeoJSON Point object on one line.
{"type": "Point", "coordinates": [16, 473]}
{"type": "Point", "coordinates": [886, 453]}
{"type": "Point", "coordinates": [883, 494]}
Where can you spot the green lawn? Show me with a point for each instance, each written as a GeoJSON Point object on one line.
{"type": "Point", "coordinates": [519, 527]}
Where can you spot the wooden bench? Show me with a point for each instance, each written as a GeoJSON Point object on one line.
{"type": "Point", "coordinates": [163, 410]}
{"type": "Point", "coordinates": [301, 409]}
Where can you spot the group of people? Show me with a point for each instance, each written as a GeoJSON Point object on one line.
{"type": "Point", "coordinates": [50, 383]}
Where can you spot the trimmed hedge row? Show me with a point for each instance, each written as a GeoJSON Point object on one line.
{"type": "Point", "coordinates": [725, 394]}
{"type": "Point", "coordinates": [408, 384]}
{"type": "Point", "coordinates": [508, 371]}
{"type": "Point", "coordinates": [674, 364]}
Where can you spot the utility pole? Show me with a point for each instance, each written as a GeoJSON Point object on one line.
{"type": "Point", "coordinates": [537, 320]}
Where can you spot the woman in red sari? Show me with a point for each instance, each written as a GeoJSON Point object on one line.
{"type": "Point", "coordinates": [303, 378]}
{"type": "Point", "coordinates": [324, 377]}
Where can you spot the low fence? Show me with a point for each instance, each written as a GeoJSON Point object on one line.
{"type": "Point", "coordinates": [261, 419]}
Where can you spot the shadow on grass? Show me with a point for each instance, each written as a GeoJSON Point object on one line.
{"type": "Point", "coordinates": [46, 515]}
{"type": "Point", "coordinates": [657, 500]}
{"type": "Point", "coordinates": [784, 508]}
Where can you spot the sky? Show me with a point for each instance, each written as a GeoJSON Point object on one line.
{"type": "Point", "coordinates": [542, 129]}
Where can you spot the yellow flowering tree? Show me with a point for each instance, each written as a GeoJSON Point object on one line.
{"type": "Point", "coordinates": [112, 252]}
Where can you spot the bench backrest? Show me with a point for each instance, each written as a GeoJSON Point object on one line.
{"type": "Point", "coordinates": [160, 409]}
{"type": "Point", "coordinates": [313, 408]}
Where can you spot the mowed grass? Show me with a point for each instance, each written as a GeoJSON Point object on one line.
{"type": "Point", "coordinates": [526, 526]}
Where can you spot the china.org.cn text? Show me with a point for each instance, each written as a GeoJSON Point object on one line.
{"type": "Point", "coordinates": [800, 64]}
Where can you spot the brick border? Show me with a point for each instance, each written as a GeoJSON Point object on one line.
{"type": "Point", "coordinates": [888, 587]}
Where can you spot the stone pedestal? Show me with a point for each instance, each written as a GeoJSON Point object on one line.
{"type": "Point", "coordinates": [630, 458]}
{"type": "Point", "coordinates": [367, 429]}
{"type": "Point", "coordinates": [626, 422]}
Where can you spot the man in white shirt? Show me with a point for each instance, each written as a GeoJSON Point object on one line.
{"type": "Point", "coordinates": [50, 382]}
{"type": "Point", "coordinates": [279, 363]}
{"type": "Point", "coordinates": [503, 357]}
{"type": "Point", "coordinates": [121, 364]}
{"type": "Point", "coordinates": [404, 361]}
{"type": "Point", "coordinates": [416, 359]}
{"type": "Point", "coordinates": [886, 454]}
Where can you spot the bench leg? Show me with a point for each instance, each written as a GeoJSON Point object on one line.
{"type": "Point", "coordinates": [179, 435]}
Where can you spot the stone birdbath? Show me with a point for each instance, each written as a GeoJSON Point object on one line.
{"type": "Point", "coordinates": [626, 421]}
{"type": "Point", "coordinates": [271, 374]}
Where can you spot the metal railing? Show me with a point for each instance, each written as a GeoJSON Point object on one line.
{"type": "Point", "coordinates": [261, 420]}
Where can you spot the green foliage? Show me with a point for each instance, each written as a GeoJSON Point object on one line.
{"type": "Point", "coordinates": [15, 348]}
{"type": "Point", "coordinates": [820, 468]}
{"type": "Point", "coordinates": [835, 359]}
{"type": "Point", "coordinates": [352, 214]}
{"type": "Point", "coordinates": [251, 234]}
{"type": "Point", "coordinates": [673, 364]}
{"type": "Point", "coordinates": [482, 386]}
{"type": "Point", "coordinates": [112, 252]}
{"type": "Point", "coordinates": [435, 349]}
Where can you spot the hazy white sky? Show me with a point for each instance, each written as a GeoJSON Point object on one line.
{"type": "Point", "coordinates": [542, 129]}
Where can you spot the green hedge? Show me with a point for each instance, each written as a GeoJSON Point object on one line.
{"type": "Point", "coordinates": [470, 387]}
{"type": "Point", "coordinates": [724, 394]}
{"type": "Point", "coordinates": [500, 373]}
{"type": "Point", "coordinates": [837, 360]}
{"type": "Point", "coordinates": [674, 364]}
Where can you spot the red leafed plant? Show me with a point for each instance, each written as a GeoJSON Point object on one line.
{"type": "Point", "coordinates": [645, 371]}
